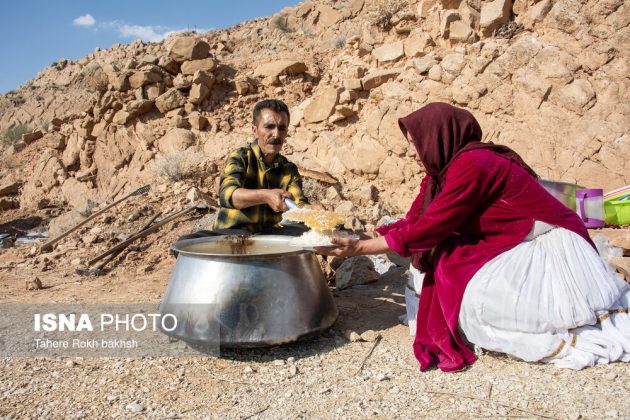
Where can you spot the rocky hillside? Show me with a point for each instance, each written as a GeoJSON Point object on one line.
{"type": "Point", "coordinates": [548, 78]}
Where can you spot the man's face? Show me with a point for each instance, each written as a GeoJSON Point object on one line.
{"type": "Point", "coordinates": [271, 131]}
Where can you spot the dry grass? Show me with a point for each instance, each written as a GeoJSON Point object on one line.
{"type": "Point", "coordinates": [382, 12]}
{"type": "Point", "coordinates": [314, 190]}
{"type": "Point", "coordinates": [280, 22]}
{"type": "Point", "coordinates": [14, 133]}
{"type": "Point", "coordinates": [176, 166]}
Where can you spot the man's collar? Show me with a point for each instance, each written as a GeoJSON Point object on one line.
{"type": "Point", "coordinates": [277, 162]}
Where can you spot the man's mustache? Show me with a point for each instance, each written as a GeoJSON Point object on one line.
{"type": "Point", "coordinates": [274, 141]}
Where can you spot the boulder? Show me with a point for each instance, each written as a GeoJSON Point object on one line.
{"type": "Point", "coordinates": [355, 6]}
{"type": "Point", "coordinates": [348, 96]}
{"type": "Point", "coordinates": [364, 155]}
{"type": "Point", "coordinates": [566, 16]}
{"type": "Point", "coordinates": [168, 64]}
{"type": "Point", "coordinates": [355, 271]}
{"type": "Point", "coordinates": [389, 135]}
{"type": "Point", "coordinates": [352, 84]}
{"type": "Point", "coordinates": [62, 223]}
{"type": "Point", "coordinates": [327, 16]}
{"type": "Point", "coordinates": [198, 93]}
{"type": "Point", "coordinates": [139, 107]}
{"type": "Point", "coordinates": [391, 170]}
{"type": "Point", "coordinates": [519, 54]}
{"type": "Point", "coordinates": [28, 138]}
{"type": "Point", "coordinates": [365, 194]}
{"type": "Point", "coordinates": [578, 96]}
{"type": "Point", "coordinates": [181, 82]}
{"type": "Point", "coordinates": [494, 14]}
{"type": "Point", "coordinates": [35, 284]}
{"type": "Point", "coordinates": [425, 6]}
{"type": "Point", "coordinates": [453, 64]}
{"type": "Point", "coordinates": [448, 17]}
{"type": "Point", "coordinates": [424, 64]}
{"type": "Point", "coordinates": [138, 79]}
{"type": "Point", "coordinates": [622, 265]}
{"type": "Point", "coordinates": [389, 52]}
{"type": "Point", "coordinates": [417, 43]}
{"type": "Point", "coordinates": [9, 188]}
{"type": "Point", "coordinates": [345, 207]}
{"type": "Point", "coordinates": [7, 203]}
{"type": "Point", "coordinates": [322, 106]}
{"type": "Point", "coordinates": [169, 100]}
{"type": "Point", "coordinates": [55, 141]}
{"type": "Point", "coordinates": [242, 86]}
{"type": "Point", "coordinates": [277, 68]}
{"type": "Point", "coordinates": [176, 140]}
{"type": "Point", "coordinates": [190, 67]}
{"type": "Point", "coordinates": [532, 83]}
{"type": "Point", "coordinates": [197, 121]}
{"type": "Point", "coordinates": [555, 63]}
{"type": "Point", "coordinates": [460, 31]}
{"type": "Point", "coordinates": [536, 13]}
{"type": "Point", "coordinates": [79, 195]}
{"type": "Point", "coordinates": [121, 117]}
{"type": "Point", "coordinates": [70, 155]}
{"type": "Point", "coordinates": [376, 78]}
{"type": "Point", "coordinates": [205, 78]}
{"type": "Point", "coordinates": [186, 48]}
{"type": "Point", "coordinates": [114, 149]}
{"type": "Point", "coordinates": [152, 91]}
{"type": "Point", "coordinates": [119, 80]}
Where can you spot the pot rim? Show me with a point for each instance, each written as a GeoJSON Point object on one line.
{"type": "Point", "coordinates": [180, 247]}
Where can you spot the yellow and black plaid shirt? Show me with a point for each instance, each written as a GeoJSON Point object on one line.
{"type": "Point", "coordinates": [244, 168]}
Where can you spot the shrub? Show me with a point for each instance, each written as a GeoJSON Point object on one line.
{"type": "Point", "coordinates": [314, 190]}
{"type": "Point", "coordinates": [14, 133]}
{"type": "Point", "coordinates": [98, 84]}
{"type": "Point", "coordinates": [280, 22]}
{"type": "Point", "coordinates": [175, 166]}
{"type": "Point", "coordinates": [383, 12]}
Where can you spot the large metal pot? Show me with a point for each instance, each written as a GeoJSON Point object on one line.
{"type": "Point", "coordinates": [246, 291]}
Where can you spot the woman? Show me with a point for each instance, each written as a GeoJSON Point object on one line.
{"type": "Point", "coordinates": [505, 262]}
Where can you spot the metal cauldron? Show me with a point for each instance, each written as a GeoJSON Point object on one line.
{"type": "Point", "coordinates": [246, 291]}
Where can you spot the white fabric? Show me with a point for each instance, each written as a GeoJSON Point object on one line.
{"type": "Point", "coordinates": [527, 301]}
{"type": "Point", "coordinates": [412, 297]}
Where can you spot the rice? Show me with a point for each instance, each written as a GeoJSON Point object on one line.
{"type": "Point", "coordinates": [312, 238]}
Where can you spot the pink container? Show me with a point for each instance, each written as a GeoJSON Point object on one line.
{"type": "Point", "coordinates": [590, 207]}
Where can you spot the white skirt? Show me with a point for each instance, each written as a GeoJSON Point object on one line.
{"type": "Point", "coordinates": [550, 299]}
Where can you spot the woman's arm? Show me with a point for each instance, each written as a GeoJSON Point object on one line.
{"type": "Point", "coordinates": [471, 181]}
{"type": "Point", "coordinates": [352, 247]}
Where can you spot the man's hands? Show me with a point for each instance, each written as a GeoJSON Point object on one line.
{"type": "Point", "coordinates": [244, 197]}
{"type": "Point", "coordinates": [275, 199]}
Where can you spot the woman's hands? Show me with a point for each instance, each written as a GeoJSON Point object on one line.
{"type": "Point", "coordinates": [348, 247]}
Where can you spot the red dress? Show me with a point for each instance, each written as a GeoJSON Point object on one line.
{"type": "Point", "coordinates": [488, 205]}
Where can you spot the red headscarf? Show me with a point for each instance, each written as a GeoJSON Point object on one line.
{"type": "Point", "coordinates": [440, 132]}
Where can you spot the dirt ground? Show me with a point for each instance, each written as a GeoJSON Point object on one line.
{"type": "Point", "coordinates": [325, 377]}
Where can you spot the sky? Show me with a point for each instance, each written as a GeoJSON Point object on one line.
{"type": "Point", "coordinates": [35, 34]}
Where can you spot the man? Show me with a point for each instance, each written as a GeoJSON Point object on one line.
{"type": "Point", "coordinates": [257, 178]}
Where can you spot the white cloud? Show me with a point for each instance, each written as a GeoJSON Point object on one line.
{"type": "Point", "coordinates": [146, 33]}
{"type": "Point", "coordinates": [150, 33]}
{"type": "Point", "coordinates": [86, 20]}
